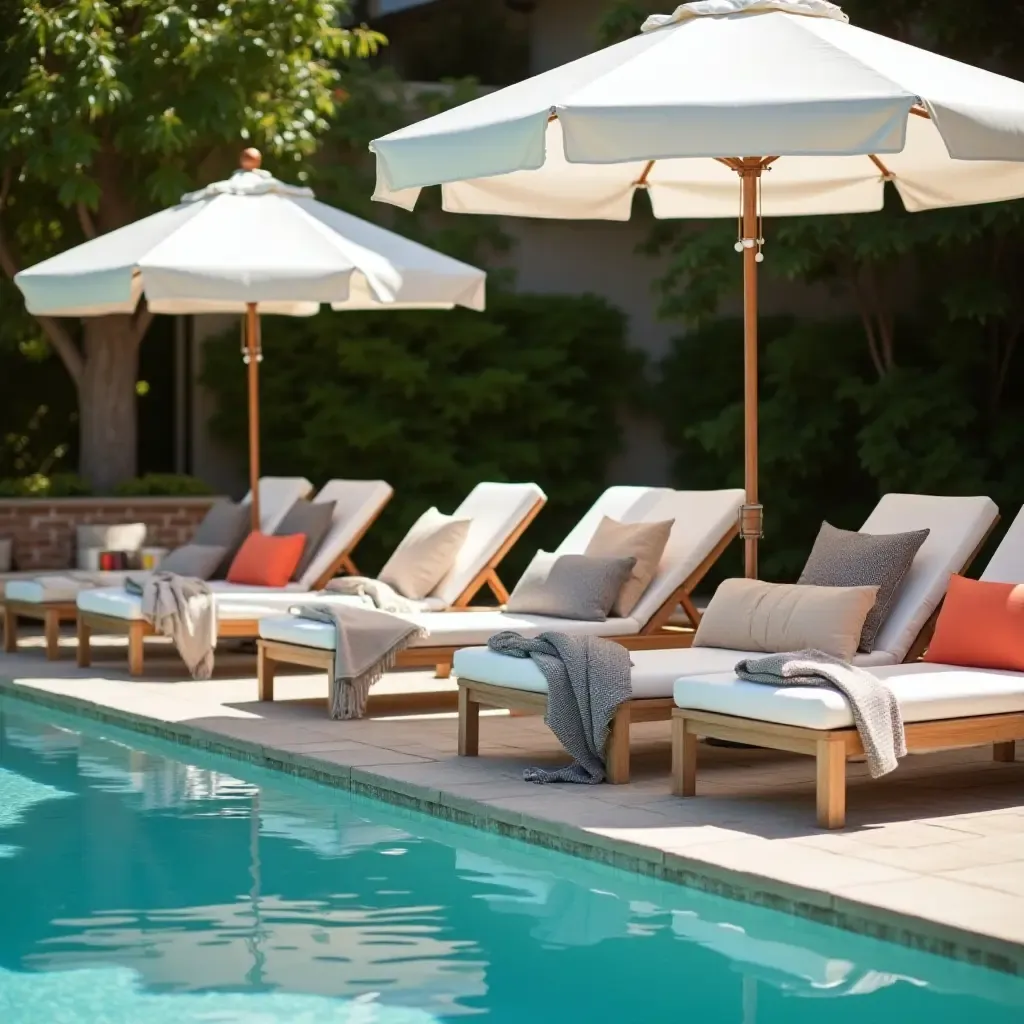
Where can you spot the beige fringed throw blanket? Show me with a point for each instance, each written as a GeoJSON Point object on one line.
{"type": "Point", "coordinates": [876, 712]}
{"type": "Point", "coordinates": [367, 644]}
{"type": "Point", "coordinates": [376, 594]}
{"type": "Point", "coordinates": [183, 609]}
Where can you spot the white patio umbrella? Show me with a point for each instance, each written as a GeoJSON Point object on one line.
{"type": "Point", "coordinates": [249, 245]}
{"type": "Point", "coordinates": [725, 108]}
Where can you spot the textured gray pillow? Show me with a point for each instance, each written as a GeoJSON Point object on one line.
{"type": "Point", "coordinates": [580, 587]}
{"type": "Point", "coordinates": [842, 558]}
{"type": "Point", "coordinates": [226, 525]}
{"type": "Point", "coordinates": [199, 561]}
{"type": "Point", "coordinates": [312, 519]}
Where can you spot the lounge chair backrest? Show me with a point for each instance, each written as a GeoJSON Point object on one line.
{"type": "Point", "coordinates": [703, 519]}
{"type": "Point", "coordinates": [626, 504]}
{"type": "Point", "coordinates": [358, 503]}
{"type": "Point", "coordinates": [958, 527]}
{"type": "Point", "coordinates": [1007, 564]}
{"type": "Point", "coordinates": [277, 495]}
{"type": "Point", "coordinates": [496, 512]}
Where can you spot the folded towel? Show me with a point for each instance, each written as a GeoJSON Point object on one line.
{"type": "Point", "coordinates": [588, 678]}
{"type": "Point", "coordinates": [366, 645]}
{"type": "Point", "coordinates": [183, 609]}
{"type": "Point", "coordinates": [876, 712]}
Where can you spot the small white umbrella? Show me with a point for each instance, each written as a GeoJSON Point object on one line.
{"type": "Point", "coordinates": [249, 245]}
{"type": "Point", "coordinates": [682, 112]}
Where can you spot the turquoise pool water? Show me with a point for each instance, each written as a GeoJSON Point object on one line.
{"type": "Point", "coordinates": [142, 883]}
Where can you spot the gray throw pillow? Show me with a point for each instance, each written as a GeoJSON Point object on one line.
{"type": "Point", "coordinates": [582, 587]}
{"type": "Point", "coordinates": [200, 561]}
{"type": "Point", "coordinates": [226, 525]}
{"type": "Point", "coordinates": [312, 519]}
{"type": "Point", "coordinates": [843, 558]}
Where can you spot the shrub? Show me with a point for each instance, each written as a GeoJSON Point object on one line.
{"type": "Point", "coordinates": [38, 485]}
{"type": "Point", "coordinates": [158, 485]}
{"type": "Point", "coordinates": [435, 402]}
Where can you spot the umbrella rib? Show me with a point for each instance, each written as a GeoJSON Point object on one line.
{"type": "Point", "coordinates": [886, 173]}
{"type": "Point", "coordinates": [919, 111]}
{"type": "Point", "coordinates": [641, 182]}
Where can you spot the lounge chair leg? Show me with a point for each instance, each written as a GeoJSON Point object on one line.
{"type": "Point", "coordinates": [442, 670]}
{"type": "Point", "coordinates": [51, 628]}
{"type": "Point", "coordinates": [497, 588]}
{"type": "Point", "coordinates": [469, 724]}
{"type": "Point", "coordinates": [691, 609]}
{"type": "Point", "coordinates": [831, 783]}
{"type": "Point", "coordinates": [84, 654]}
{"type": "Point", "coordinates": [684, 758]}
{"type": "Point", "coordinates": [136, 647]}
{"type": "Point", "coordinates": [266, 669]}
{"type": "Point", "coordinates": [617, 748]}
{"type": "Point", "coordinates": [1005, 751]}
{"type": "Point", "coordinates": [10, 630]}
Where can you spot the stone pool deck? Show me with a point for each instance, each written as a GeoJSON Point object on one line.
{"type": "Point", "coordinates": [932, 856]}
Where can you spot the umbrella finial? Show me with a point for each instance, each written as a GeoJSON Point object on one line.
{"type": "Point", "coordinates": [250, 159]}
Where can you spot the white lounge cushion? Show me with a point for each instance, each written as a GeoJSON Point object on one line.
{"type": "Point", "coordinates": [926, 693]}
{"type": "Point", "coordinates": [119, 604]}
{"type": "Point", "coordinates": [277, 495]}
{"type": "Point", "coordinates": [654, 672]}
{"type": "Point", "coordinates": [1007, 564]}
{"type": "Point", "coordinates": [356, 504]}
{"type": "Point", "coordinates": [495, 512]}
{"type": "Point", "coordinates": [957, 527]}
{"type": "Point", "coordinates": [446, 629]}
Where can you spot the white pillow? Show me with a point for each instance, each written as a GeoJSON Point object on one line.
{"type": "Point", "coordinates": [425, 555]}
{"type": "Point", "coordinates": [748, 615]}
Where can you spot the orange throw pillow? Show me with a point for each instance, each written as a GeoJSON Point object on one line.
{"type": "Point", "coordinates": [981, 625]}
{"type": "Point", "coordinates": [264, 561]}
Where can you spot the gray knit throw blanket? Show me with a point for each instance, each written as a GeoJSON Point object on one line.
{"type": "Point", "coordinates": [588, 678]}
{"type": "Point", "coordinates": [876, 712]}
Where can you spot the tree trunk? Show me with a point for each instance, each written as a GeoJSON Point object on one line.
{"type": "Point", "coordinates": [106, 401]}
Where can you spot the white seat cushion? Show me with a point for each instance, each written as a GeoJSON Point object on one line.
{"type": "Point", "coordinates": [1007, 564]}
{"type": "Point", "coordinates": [926, 693]}
{"type": "Point", "coordinates": [119, 604]}
{"type": "Point", "coordinates": [30, 591]}
{"type": "Point", "coordinates": [654, 672]}
{"type": "Point", "coordinates": [446, 629]}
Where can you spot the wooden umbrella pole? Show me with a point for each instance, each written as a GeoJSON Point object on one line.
{"type": "Point", "coordinates": [252, 358]}
{"type": "Point", "coordinates": [751, 517]}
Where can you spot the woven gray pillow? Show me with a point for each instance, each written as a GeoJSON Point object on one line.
{"type": "Point", "coordinates": [842, 558]}
{"type": "Point", "coordinates": [200, 561]}
{"type": "Point", "coordinates": [226, 525]}
{"type": "Point", "coordinates": [582, 587]}
{"type": "Point", "coordinates": [312, 519]}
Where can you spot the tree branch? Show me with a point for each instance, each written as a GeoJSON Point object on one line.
{"type": "Point", "coordinates": [86, 221]}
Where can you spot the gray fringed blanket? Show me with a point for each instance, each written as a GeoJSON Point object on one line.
{"type": "Point", "coordinates": [876, 712]}
{"type": "Point", "coordinates": [588, 678]}
{"type": "Point", "coordinates": [374, 592]}
{"type": "Point", "coordinates": [367, 644]}
{"type": "Point", "coordinates": [182, 608]}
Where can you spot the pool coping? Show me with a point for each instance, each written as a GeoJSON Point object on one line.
{"type": "Point", "coordinates": [863, 918]}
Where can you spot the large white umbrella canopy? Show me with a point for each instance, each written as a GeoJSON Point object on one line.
{"type": "Point", "coordinates": [725, 108]}
{"type": "Point", "coordinates": [251, 245]}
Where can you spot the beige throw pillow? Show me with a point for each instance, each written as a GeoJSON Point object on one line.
{"type": "Point", "coordinates": [426, 554]}
{"type": "Point", "coordinates": [748, 615]}
{"type": "Point", "coordinates": [645, 542]}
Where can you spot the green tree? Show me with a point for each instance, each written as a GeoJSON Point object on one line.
{"type": "Point", "coordinates": [111, 108]}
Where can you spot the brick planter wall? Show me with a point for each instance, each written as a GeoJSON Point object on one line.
{"type": "Point", "coordinates": [43, 529]}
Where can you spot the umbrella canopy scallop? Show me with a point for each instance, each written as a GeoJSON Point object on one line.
{"type": "Point", "coordinates": [249, 240]}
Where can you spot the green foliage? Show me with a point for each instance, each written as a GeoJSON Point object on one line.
{"type": "Point", "coordinates": [159, 485]}
{"type": "Point", "coordinates": [435, 402]}
{"type": "Point", "coordinates": [39, 485]}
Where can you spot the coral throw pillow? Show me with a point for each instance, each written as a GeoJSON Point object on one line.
{"type": "Point", "coordinates": [264, 561]}
{"type": "Point", "coordinates": [981, 625]}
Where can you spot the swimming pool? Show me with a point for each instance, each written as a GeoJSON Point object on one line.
{"type": "Point", "coordinates": [141, 883]}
